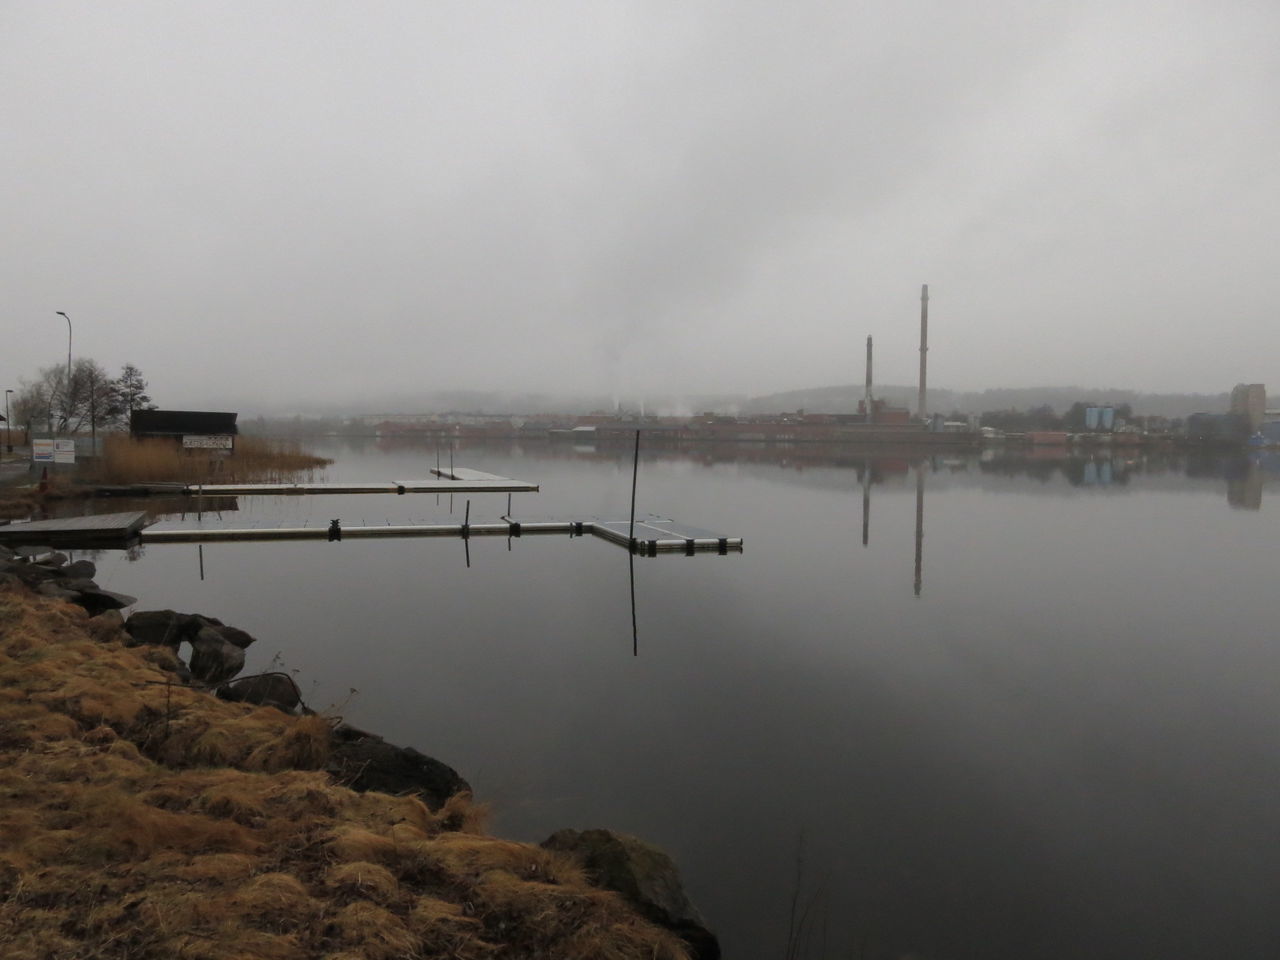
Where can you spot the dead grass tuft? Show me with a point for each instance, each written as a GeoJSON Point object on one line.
{"type": "Point", "coordinates": [255, 459]}
{"type": "Point", "coordinates": [276, 898]}
{"type": "Point", "coordinates": [370, 881]}
{"type": "Point", "coordinates": [379, 934]}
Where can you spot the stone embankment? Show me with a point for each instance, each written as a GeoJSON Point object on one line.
{"type": "Point", "coordinates": [429, 886]}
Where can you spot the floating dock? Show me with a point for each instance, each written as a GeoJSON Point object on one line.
{"type": "Point", "coordinates": [653, 535]}
{"type": "Point", "coordinates": [451, 480]}
{"type": "Point", "coordinates": [99, 530]}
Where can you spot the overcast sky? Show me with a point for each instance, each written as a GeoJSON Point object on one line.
{"type": "Point", "coordinates": [288, 202]}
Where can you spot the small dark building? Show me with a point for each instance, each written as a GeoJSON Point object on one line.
{"type": "Point", "coordinates": [1217, 428]}
{"type": "Point", "coordinates": [189, 428]}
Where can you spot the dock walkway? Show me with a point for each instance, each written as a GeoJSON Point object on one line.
{"type": "Point", "coordinates": [461, 481]}
{"type": "Point", "coordinates": [653, 535]}
{"type": "Point", "coordinates": [102, 529]}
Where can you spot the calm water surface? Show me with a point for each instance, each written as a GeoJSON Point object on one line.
{"type": "Point", "coordinates": [1061, 741]}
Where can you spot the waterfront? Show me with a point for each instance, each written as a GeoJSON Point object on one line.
{"type": "Point", "coordinates": [1065, 745]}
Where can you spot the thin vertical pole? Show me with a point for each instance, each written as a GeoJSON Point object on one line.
{"type": "Point", "coordinates": [924, 347]}
{"type": "Point", "coordinates": [866, 507]}
{"type": "Point", "coordinates": [201, 550]}
{"type": "Point", "coordinates": [919, 527]}
{"type": "Point", "coordinates": [635, 471]}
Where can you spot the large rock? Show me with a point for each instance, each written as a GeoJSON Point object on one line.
{"type": "Point", "coordinates": [214, 659]}
{"type": "Point", "coordinates": [106, 627]}
{"type": "Point", "coordinates": [84, 569]}
{"type": "Point", "coordinates": [33, 574]}
{"type": "Point", "coordinates": [163, 627]}
{"type": "Point", "coordinates": [364, 761]}
{"type": "Point", "coordinates": [52, 588]}
{"type": "Point", "coordinates": [93, 598]}
{"type": "Point", "coordinates": [266, 690]}
{"type": "Point", "coordinates": [233, 635]}
{"type": "Point", "coordinates": [645, 876]}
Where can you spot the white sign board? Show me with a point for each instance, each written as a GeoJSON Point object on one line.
{"type": "Point", "coordinates": [64, 451]}
{"type": "Point", "coordinates": [208, 442]}
{"type": "Point", "coordinates": [42, 451]}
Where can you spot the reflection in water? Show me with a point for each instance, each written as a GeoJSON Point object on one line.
{"type": "Point", "coordinates": [919, 527]}
{"type": "Point", "coordinates": [866, 508]}
{"type": "Point", "coordinates": [1244, 489]}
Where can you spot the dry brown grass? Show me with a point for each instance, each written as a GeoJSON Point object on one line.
{"type": "Point", "coordinates": [255, 460]}
{"type": "Point", "coordinates": [142, 819]}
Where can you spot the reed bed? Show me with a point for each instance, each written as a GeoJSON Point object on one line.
{"type": "Point", "coordinates": [254, 460]}
{"type": "Point", "coordinates": [142, 819]}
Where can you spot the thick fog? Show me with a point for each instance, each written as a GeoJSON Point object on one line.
{"type": "Point", "coordinates": [290, 203]}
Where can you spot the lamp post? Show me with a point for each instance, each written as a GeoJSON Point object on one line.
{"type": "Point", "coordinates": [66, 408]}
{"type": "Point", "coordinates": [8, 424]}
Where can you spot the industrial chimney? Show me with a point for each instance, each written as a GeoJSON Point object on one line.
{"type": "Point", "coordinates": [870, 409]}
{"type": "Point", "coordinates": [924, 347]}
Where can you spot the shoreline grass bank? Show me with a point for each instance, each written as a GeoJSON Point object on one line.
{"type": "Point", "coordinates": [143, 818]}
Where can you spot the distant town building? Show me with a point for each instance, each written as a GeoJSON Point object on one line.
{"type": "Point", "coordinates": [1249, 400]}
{"type": "Point", "coordinates": [1218, 427]}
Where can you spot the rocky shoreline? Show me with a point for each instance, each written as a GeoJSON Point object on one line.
{"type": "Point", "coordinates": [643, 875]}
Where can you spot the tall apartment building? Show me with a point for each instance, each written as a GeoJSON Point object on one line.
{"type": "Point", "coordinates": [1250, 401]}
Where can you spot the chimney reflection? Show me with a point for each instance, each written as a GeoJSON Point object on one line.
{"type": "Point", "coordinates": [866, 506]}
{"type": "Point", "coordinates": [919, 527]}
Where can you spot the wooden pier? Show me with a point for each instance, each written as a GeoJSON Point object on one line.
{"type": "Point", "coordinates": [99, 530]}
{"type": "Point", "coordinates": [653, 535]}
{"type": "Point", "coordinates": [460, 481]}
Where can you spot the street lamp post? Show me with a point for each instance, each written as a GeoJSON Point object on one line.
{"type": "Point", "coordinates": [66, 409]}
{"type": "Point", "coordinates": [8, 424]}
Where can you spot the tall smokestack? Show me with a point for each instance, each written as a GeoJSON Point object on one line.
{"type": "Point", "coordinates": [924, 347]}
{"type": "Point", "coordinates": [870, 414]}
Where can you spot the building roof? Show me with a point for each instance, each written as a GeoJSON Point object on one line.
{"type": "Point", "coordinates": [177, 423]}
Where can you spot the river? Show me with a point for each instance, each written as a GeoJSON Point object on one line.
{"type": "Point", "coordinates": [1041, 722]}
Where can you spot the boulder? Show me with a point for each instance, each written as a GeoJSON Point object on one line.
{"type": "Point", "coordinates": [164, 627]}
{"type": "Point", "coordinates": [94, 599]}
{"type": "Point", "coordinates": [33, 574]}
{"type": "Point", "coordinates": [645, 876]}
{"type": "Point", "coordinates": [51, 588]}
{"type": "Point", "coordinates": [107, 626]}
{"type": "Point", "coordinates": [364, 761]}
{"type": "Point", "coordinates": [54, 559]}
{"type": "Point", "coordinates": [83, 569]}
{"type": "Point", "coordinates": [214, 659]}
{"type": "Point", "coordinates": [233, 635]}
{"type": "Point", "coordinates": [267, 689]}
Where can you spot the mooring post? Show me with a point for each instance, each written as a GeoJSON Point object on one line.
{"type": "Point", "coordinates": [635, 470]}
